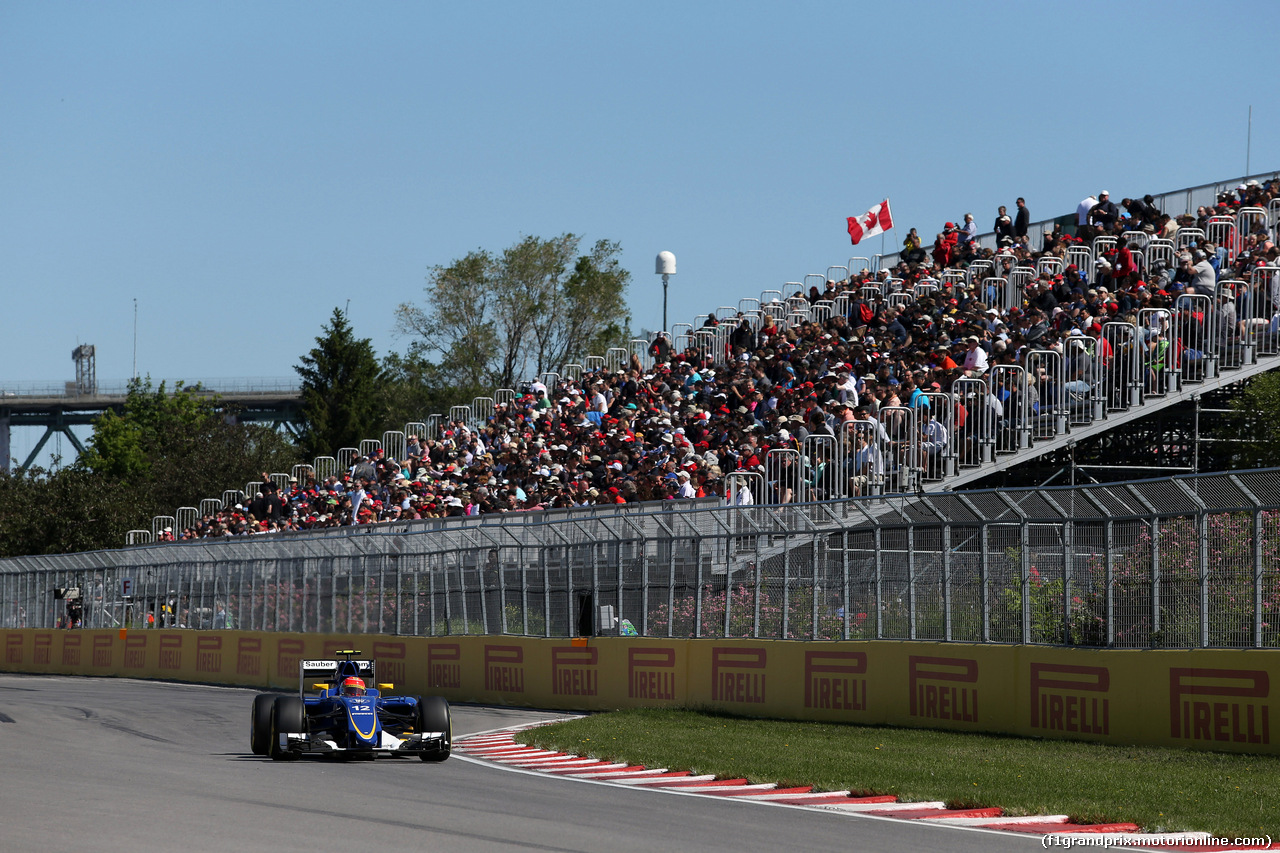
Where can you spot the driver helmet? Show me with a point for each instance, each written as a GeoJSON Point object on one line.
{"type": "Point", "coordinates": [353, 687]}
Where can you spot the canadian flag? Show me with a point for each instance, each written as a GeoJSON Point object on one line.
{"type": "Point", "coordinates": [875, 221]}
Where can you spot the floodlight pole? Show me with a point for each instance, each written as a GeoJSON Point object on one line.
{"type": "Point", "coordinates": [666, 280]}
{"type": "Point", "coordinates": [665, 266]}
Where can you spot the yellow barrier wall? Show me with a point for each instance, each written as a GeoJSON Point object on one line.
{"type": "Point", "coordinates": [1201, 699]}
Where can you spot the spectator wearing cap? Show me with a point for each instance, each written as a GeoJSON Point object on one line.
{"type": "Point", "coordinates": [661, 348]}
{"type": "Point", "coordinates": [1104, 214]}
{"type": "Point", "coordinates": [1228, 326]}
{"type": "Point", "coordinates": [942, 358]}
{"type": "Point", "coordinates": [1003, 227]}
{"type": "Point", "coordinates": [975, 358]}
{"type": "Point", "coordinates": [684, 488]}
{"type": "Point", "coordinates": [944, 246]}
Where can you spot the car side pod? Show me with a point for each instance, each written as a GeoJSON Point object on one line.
{"type": "Point", "coordinates": [288, 716]}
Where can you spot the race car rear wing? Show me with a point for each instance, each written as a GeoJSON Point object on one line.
{"type": "Point", "coordinates": [328, 670]}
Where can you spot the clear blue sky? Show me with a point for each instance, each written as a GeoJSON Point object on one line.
{"type": "Point", "coordinates": [240, 169]}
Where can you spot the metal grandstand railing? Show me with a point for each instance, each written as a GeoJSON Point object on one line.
{"type": "Point", "coordinates": [1176, 202]}
{"type": "Point", "coordinates": [239, 385]}
{"type": "Point", "coordinates": [1181, 562]}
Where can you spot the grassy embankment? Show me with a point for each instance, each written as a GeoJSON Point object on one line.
{"type": "Point", "coordinates": [1156, 788]}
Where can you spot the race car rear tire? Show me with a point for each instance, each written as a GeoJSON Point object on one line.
{"type": "Point", "coordinates": [288, 716]}
{"type": "Point", "coordinates": [260, 723]}
{"type": "Point", "coordinates": [433, 716]}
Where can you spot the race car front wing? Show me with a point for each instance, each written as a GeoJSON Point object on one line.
{"type": "Point", "coordinates": [320, 743]}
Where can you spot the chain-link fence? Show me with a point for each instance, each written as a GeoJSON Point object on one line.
{"type": "Point", "coordinates": [1182, 562]}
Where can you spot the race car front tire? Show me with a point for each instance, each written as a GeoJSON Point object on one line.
{"type": "Point", "coordinates": [433, 716]}
{"type": "Point", "coordinates": [288, 716]}
{"type": "Point", "coordinates": [260, 723]}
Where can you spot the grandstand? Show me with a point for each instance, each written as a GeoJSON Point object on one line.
{"type": "Point", "coordinates": [879, 376]}
{"type": "Point", "coordinates": [797, 472]}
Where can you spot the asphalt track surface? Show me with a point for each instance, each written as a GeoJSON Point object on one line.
{"type": "Point", "coordinates": [109, 764]}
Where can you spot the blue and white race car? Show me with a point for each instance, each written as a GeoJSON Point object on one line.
{"type": "Point", "coordinates": [347, 717]}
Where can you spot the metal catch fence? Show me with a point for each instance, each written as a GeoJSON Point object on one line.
{"type": "Point", "coordinates": [1190, 561]}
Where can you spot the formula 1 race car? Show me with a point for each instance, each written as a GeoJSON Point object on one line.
{"type": "Point", "coordinates": [347, 717]}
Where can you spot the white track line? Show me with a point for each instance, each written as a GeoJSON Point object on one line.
{"type": "Point", "coordinates": [665, 780]}
{"type": "Point", "coordinates": [501, 750]}
{"type": "Point", "coordinates": [881, 807]}
{"type": "Point", "coordinates": [813, 795]}
{"type": "Point", "coordinates": [763, 787]}
{"type": "Point", "coordinates": [600, 767]}
{"type": "Point", "coordinates": [548, 763]}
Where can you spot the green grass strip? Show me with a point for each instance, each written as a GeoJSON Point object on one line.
{"type": "Point", "coordinates": [1161, 790]}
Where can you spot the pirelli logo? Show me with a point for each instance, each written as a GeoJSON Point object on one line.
{"type": "Point", "coordinates": [1067, 698]}
{"type": "Point", "coordinates": [208, 654]}
{"type": "Point", "coordinates": [249, 656]}
{"type": "Point", "coordinates": [574, 671]}
{"type": "Point", "coordinates": [504, 669]}
{"type": "Point", "coordinates": [1220, 705]}
{"type": "Point", "coordinates": [943, 688]}
{"type": "Point", "coordinates": [71, 650]}
{"type": "Point", "coordinates": [102, 647]}
{"type": "Point", "coordinates": [390, 658]}
{"type": "Point", "coordinates": [170, 651]}
{"type": "Point", "coordinates": [651, 673]}
{"type": "Point", "coordinates": [43, 648]}
{"type": "Point", "coordinates": [289, 654]}
{"type": "Point", "coordinates": [835, 680]}
{"type": "Point", "coordinates": [13, 648]}
{"type": "Point", "coordinates": [444, 666]}
{"type": "Point", "coordinates": [135, 651]}
{"type": "Point", "coordinates": [737, 676]}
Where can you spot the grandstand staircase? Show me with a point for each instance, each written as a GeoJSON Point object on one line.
{"type": "Point", "coordinates": [1188, 390]}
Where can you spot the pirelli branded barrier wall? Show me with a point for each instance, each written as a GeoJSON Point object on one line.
{"type": "Point", "coordinates": [1206, 699]}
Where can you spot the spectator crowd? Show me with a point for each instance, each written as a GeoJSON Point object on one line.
{"type": "Point", "coordinates": [677, 425]}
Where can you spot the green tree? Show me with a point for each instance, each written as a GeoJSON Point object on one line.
{"type": "Point", "coordinates": [1258, 408]}
{"type": "Point", "coordinates": [588, 313]}
{"type": "Point", "coordinates": [496, 319]}
{"type": "Point", "coordinates": [172, 449]}
{"type": "Point", "coordinates": [72, 509]}
{"type": "Point", "coordinates": [162, 450]}
{"type": "Point", "coordinates": [153, 425]}
{"type": "Point", "coordinates": [416, 387]}
{"type": "Point", "coordinates": [342, 390]}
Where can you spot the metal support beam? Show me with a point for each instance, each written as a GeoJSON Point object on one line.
{"type": "Point", "coordinates": [57, 427]}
